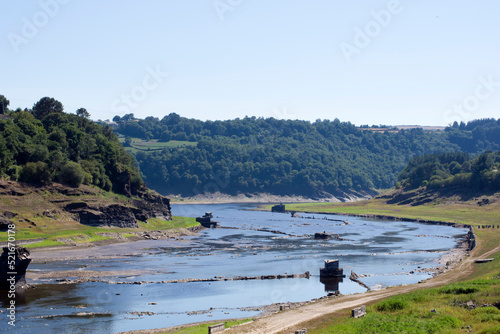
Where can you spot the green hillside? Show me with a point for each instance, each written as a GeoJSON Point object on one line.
{"type": "Point", "coordinates": [44, 144]}
{"type": "Point", "coordinates": [288, 157]}
{"type": "Point", "coordinates": [453, 171]}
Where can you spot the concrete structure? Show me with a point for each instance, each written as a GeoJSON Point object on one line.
{"type": "Point", "coordinates": [331, 269]}
{"type": "Point", "coordinates": [216, 328]}
{"type": "Point", "coordinates": [205, 220]}
{"type": "Point", "coordinates": [278, 208]}
{"type": "Point", "coordinates": [359, 312]}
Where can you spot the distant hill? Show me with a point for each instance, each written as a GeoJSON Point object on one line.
{"type": "Point", "coordinates": [287, 157]}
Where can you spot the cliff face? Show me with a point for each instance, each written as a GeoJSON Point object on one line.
{"type": "Point", "coordinates": [86, 205]}
{"type": "Point", "coordinates": [150, 205]}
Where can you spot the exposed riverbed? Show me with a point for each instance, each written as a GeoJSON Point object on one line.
{"type": "Point", "coordinates": [126, 286]}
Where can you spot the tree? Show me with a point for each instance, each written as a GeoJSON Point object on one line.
{"type": "Point", "coordinates": [4, 103]}
{"type": "Point", "coordinates": [117, 119]}
{"type": "Point", "coordinates": [82, 112]}
{"type": "Point", "coordinates": [128, 117]}
{"type": "Point", "coordinates": [72, 173]}
{"type": "Point", "coordinates": [46, 106]}
{"type": "Point", "coordinates": [35, 172]}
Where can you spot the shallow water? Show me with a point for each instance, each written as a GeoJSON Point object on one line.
{"type": "Point", "coordinates": [387, 251]}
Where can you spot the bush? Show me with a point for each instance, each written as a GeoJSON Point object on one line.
{"type": "Point", "coordinates": [459, 289]}
{"type": "Point", "coordinates": [35, 172]}
{"type": "Point", "coordinates": [392, 304]}
{"type": "Point", "coordinates": [72, 174]}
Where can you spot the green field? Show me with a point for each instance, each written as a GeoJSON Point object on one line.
{"type": "Point", "coordinates": [56, 235]}
{"type": "Point", "coordinates": [153, 145]}
{"type": "Point", "coordinates": [460, 212]}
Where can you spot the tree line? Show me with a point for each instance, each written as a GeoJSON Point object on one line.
{"type": "Point", "coordinates": [453, 171]}
{"type": "Point", "coordinates": [44, 144]}
{"type": "Point", "coordinates": [321, 158]}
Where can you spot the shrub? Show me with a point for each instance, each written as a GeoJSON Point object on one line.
{"type": "Point", "coordinates": [460, 289]}
{"type": "Point", "coordinates": [392, 304]}
{"type": "Point", "coordinates": [72, 173]}
{"type": "Point", "coordinates": [35, 172]}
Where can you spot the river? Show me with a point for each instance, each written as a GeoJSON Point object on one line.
{"type": "Point", "coordinates": [388, 252]}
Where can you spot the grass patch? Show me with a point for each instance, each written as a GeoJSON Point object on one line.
{"type": "Point", "coordinates": [392, 304]}
{"type": "Point", "coordinates": [459, 289]}
{"type": "Point", "coordinates": [141, 145]}
{"type": "Point", "coordinates": [176, 222]}
{"type": "Point", "coordinates": [76, 233]}
{"type": "Point", "coordinates": [385, 323]}
{"type": "Point", "coordinates": [460, 212]}
{"type": "Point", "coordinates": [44, 243]}
{"type": "Point", "coordinates": [203, 329]}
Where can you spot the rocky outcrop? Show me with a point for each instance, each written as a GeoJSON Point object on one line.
{"type": "Point", "coordinates": [13, 265]}
{"type": "Point", "coordinates": [4, 223]}
{"type": "Point", "coordinates": [85, 204]}
{"type": "Point", "coordinates": [112, 215]}
{"type": "Point", "coordinates": [154, 205]}
{"type": "Point", "coordinates": [150, 205]}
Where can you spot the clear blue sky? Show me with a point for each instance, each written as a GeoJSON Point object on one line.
{"type": "Point", "coordinates": [415, 62]}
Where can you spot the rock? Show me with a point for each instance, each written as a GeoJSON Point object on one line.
{"type": "Point", "coordinates": [9, 214]}
{"type": "Point", "coordinates": [113, 215]}
{"type": "Point", "coordinates": [21, 261]}
{"type": "Point", "coordinates": [470, 305]}
{"type": "Point", "coordinates": [151, 205]}
{"type": "Point", "coordinates": [4, 223]}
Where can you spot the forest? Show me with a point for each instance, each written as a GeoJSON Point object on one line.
{"type": "Point", "coordinates": [250, 155]}
{"type": "Point", "coordinates": [453, 171]}
{"type": "Point", "coordinates": [45, 144]}
{"type": "Point", "coordinates": [285, 157]}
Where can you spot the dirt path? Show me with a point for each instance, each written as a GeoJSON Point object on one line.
{"type": "Point", "coordinates": [283, 322]}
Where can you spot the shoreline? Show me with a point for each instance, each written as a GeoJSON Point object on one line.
{"type": "Point", "coordinates": [262, 198]}
{"type": "Point", "coordinates": [450, 260]}
{"type": "Point", "coordinates": [139, 246]}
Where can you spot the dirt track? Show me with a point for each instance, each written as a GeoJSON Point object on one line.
{"type": "Point", "coordinates": [284, 322]}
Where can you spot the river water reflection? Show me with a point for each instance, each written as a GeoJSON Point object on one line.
{"type": "Point", "coordinates": [385, 251]}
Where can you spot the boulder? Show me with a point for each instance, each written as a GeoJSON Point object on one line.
{"type": "Point", "coordinates": [13, 265]}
